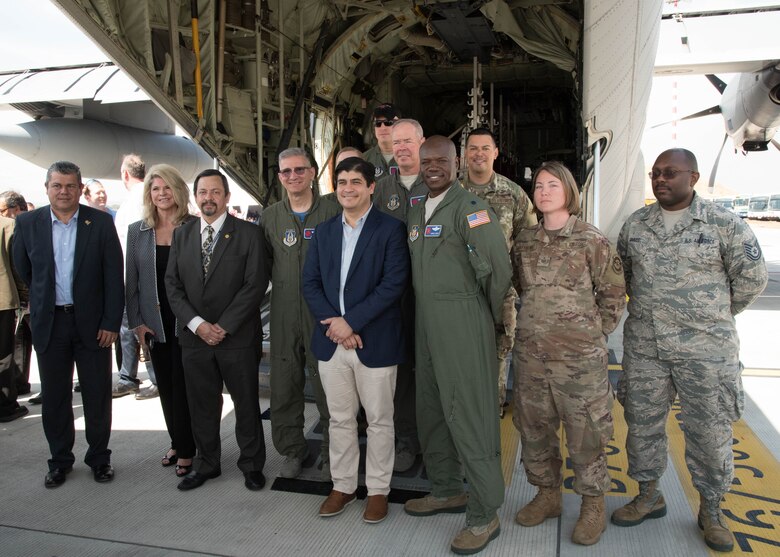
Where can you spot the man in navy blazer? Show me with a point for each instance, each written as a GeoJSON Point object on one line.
{"type": "Point", "coordinates": [356, 270]}
{"type": "Point", "coordinates": [69, 256]}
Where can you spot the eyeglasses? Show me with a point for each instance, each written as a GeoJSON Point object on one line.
{"type": "Point", "coordinates": [667, 173]}
{"type": "Point", "coordinates": [299, 171]}
{"type": "Point", "coordinates": [386, 123]}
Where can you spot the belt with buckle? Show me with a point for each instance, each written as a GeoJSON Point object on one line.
{"type": "Point", "coordinates": [67, 308]}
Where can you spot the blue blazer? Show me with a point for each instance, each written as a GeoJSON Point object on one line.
{"type": "Point", "coordinates": [98, 284]}
{"type": "Point", "coordinates": [378, 276]}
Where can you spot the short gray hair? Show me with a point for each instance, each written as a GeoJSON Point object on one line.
{"type": "Point", "coordinates": [414, 123]}
{"type": "Point", "coordinates": [294, 152]}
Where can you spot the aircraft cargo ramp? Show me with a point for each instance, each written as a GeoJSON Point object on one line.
{"type": "Point", "coordinates": [141, 513]}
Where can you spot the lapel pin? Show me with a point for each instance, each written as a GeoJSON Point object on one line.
{"type": "Point", "coordinates": [227, 235]}
{"type": "Point", "coordinates": [87, 222]}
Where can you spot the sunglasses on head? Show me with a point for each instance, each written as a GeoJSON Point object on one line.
{"type": "Point", "coordinates": [380, 123]}
{"type": "Point", "coordinates": [299, 171]}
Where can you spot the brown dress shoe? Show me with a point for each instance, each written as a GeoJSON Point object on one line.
{"type": "Point", "coordinates": [376, 509]}
{"type": "Point", "coordinates": [335, 503]}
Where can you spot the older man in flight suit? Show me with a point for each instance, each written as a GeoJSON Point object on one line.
{"type": "Point", "coordinates": [289, 226]}
{"type": "Point", "coordinates": [515, 212]}
{"type": "Point", "coordinates": [690, 267]}
{"type": "Point", "coordinates": [461, 273]}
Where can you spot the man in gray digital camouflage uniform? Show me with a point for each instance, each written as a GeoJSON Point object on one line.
{"type": "Point", "coordinates": [690, 267]}
{"type": "Point", "coordinates": [515, 212]}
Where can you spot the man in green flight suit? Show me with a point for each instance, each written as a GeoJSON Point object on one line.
{"type": "Point", "coordinates": [461, 273]}
{"type": "Point", "coordinates": [381, 154]}
{"type": "Point", "coordinates": [289, 226]}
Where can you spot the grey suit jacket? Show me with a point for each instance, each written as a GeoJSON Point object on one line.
{"type": "Point", "coordinates": [230, 294]}
{"type": "Point", "coordinates": [141, 301]}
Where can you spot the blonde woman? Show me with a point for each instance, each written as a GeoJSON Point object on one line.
{"type": "Point", "coordinates": [165, 207]}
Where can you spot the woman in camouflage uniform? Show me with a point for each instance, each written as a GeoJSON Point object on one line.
{"type": "Point", "coordinates": [570, 281]}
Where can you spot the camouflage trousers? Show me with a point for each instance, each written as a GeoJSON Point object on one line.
{"type": "Point", "coordinates": [577, 393]}
{"type": "Point", "coordinates": [505, 340]}
{"type": "Point", "coordinates": [711, 399]}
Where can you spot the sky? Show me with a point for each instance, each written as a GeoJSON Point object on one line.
{"type": "Point", "coordinates": [36, 34]}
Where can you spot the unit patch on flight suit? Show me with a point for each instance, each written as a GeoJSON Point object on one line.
{"type": "Point", "coordinates": [308, 233]}
{"type": "Point", "coordinates": [414, 233]}
{"type": "Point", "coordinates": [290, 237]}
{"type": "Point", "coordinates": [394, 203]}
{"type": "Point", "coordinates": [433, 231]}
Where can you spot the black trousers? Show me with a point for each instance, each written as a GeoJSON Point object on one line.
{"type": "Point", "coordinates": [94, 372]}
{"type": "Point", "coordinates": [23, 353]}
{"type": "Point", "coordinates": [166, 358]}
{"type": "Point", "coordinates": [8, 393]}
{"type": "Point", "coordinates": [206, 369]}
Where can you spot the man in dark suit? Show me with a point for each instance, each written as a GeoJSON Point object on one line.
{"type": "Point", "coordinates": [69, 256]}
{"type": "Point", "coordinates": [215, 283]}
{"type": "Point", "coordinates": [356, 270]}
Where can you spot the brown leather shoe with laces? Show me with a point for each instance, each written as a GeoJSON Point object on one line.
{"type": "Point", "coordinates": [335, 503]}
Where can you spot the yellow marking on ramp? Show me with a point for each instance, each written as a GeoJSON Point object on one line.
{"type": "Point", "coordinates": [510, 441]}
{"type": "Point", "coordinates": [752, 506]}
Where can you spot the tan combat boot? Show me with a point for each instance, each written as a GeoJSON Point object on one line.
{"type": "Point", "coordinates": [430, 505]}
{"type": "Point", "coordinates": [475, 539]}
{"type": "Point", "coordinates": [546, 504]}
{"type": "Point", "coordinates": [717, 535]}
{"type": "Point", "coordinates": [648, 504]}
{"type": "Point", "coordinates": [592, 521]}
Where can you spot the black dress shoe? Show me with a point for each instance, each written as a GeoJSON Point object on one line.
{"type": "Point", "coordinates": [196, 479]}
{"type": "Point", "coordinates": [37, 399]}
{"type": "Point", "coordinates": [103, 473]}
{"type": "Point", "coordinates": [56, 477]}
{"type": "Point", "coordinates": [254, 480]}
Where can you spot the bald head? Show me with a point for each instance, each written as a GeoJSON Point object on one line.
{"type": "Point", "coordinates": [438, 163]}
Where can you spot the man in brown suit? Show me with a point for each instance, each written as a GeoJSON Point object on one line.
{"type": "Point", "coordinates": [9, 303]}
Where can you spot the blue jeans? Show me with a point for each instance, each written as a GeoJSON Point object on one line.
{"type": "Point", "coordinates": [129, 372]}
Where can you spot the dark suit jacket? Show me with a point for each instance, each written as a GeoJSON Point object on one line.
{"type": "Point", "coordinates": [231, 293]}
{"type": "Point", "coordinates": [377, 277]}
{"type": "Point", "coordinates": [98, 281]}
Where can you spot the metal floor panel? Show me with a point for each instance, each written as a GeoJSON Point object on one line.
{"type": "Point", "coordinates": [141, 513]}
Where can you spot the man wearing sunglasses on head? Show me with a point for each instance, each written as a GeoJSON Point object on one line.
{"type": "Point", "coordinates": [690, 267]}
{"type": "Point", "coordinates": [289, 227]}
{"type": "Point", "coordinates": [381, 154]}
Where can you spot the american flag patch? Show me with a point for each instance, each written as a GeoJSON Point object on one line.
{"type": "Point", "coordinates": [413, 201]}
{"type": "Point", "coordinates": [478, 219]}
{"type": "Point", "coordinates": [308, 233]}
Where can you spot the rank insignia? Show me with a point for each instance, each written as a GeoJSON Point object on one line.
{"type": "Point", "coordinates": [752, 251]}
{"type": "Point", "coordinates": [433, 231]}
{"type": "Point", "coordinates": [414, 233]}
{"type": "Point", "coordinates": [308, 233]}
{"type": "Point", "coordinates": [415, 200]}
{"type": "Point", "coordinates": [289, 237]}
{"type": "Point", "coordinates": [394, 202]}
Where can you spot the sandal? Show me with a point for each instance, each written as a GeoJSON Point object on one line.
{"type": "Point", "coordinates": [169, 459]}
{"type": "Point", "coordinates": [183, 469]}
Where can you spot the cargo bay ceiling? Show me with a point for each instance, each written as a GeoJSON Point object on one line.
{"type": "Point", "coordinates": [267, 65]}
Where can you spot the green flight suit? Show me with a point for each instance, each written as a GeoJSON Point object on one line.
{"type": "Point", "coordinates": [374, 156]}
{"type": "Point", "coordinates": [391, 197]}
{"type": "Point", "coordinates": [287, 241]}
{"type": "Point", "coordinates": [461, 273]}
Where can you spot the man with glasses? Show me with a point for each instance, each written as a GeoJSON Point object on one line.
{"type": "Point", "coordinates": [289, 228]}
{"type": "Point", "coordinates": [381, 154]}
{"type": "Point", "coordinates": [395, 195]}
{"type": "Point", "coordinates": [690, 267]}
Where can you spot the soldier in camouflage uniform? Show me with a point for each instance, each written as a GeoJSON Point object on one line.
{"type": "Point", "coordinates": [572, 294]}
{"type": "Point", "coordinates": [380, 155]}
{"type": "Point", "coordinates": [461, 272]}
{"type": "Point", "coordinates": [395, 194]}
{"type": "Point", "coordinates": [515, 212]}
{"type": "Point", "coordinates": [690, 267]}
{"type": "Point", "coordinates": [289, 226]}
